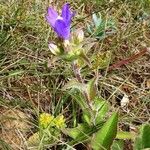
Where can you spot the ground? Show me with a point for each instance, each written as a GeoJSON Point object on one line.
{"type": "Point", "coordinates": [31, 78]}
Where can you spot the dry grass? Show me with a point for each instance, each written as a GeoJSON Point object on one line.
{"type": "Point", "coordinates": [31, 78]}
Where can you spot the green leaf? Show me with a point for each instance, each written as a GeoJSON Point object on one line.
{"type": "Point", "coordinates": [82, 132]}
{"type": "Point", "coordinates": [101, 107]}
{"type": "Point", "coordinates": [74, 84]}
{"type": "Point", "coordinates": [79, 131]}
{"type": "Point", "coordinates": [143, 140]}
{"type": "Point", "coordinates": [77, 96]}
{"type": "Point", "coordinates": [71, 56]}
{"type": "Point", "coordinates": [125, 135]}
{"type": "Point", "coordinates": [87, 116]}
{"type": "Point", "coordinates": [118, 145]}
{"type": "Point", "coordinates": [146, 136]}
{"type": "Point", "coordinates": [103, 139]}
{"type": "Point", "coordinates": [99, 110]}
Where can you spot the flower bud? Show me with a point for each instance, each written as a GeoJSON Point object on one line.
{"type": "Point", "coordinates": [79, 35]}
{"type": "Point", "coordinates": [54, 49]}
{"type": "Point", "coordinates": [66, 43]}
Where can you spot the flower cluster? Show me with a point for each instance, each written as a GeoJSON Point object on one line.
{"type": "Point", "coordinates": [71, 48]}
{"type": "Point", "coordinates": [47, 120]}
{"type": "Point", "coordinates": [60, 23]}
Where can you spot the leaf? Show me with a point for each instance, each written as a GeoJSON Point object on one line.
{"type": "Point", "coordinates": [125, 135]}
{"type": "Point", "coordinates": [102, 108]}
{"type": "Point", "coordinates": [78, 98]}
{"type": "Point", "coordinates": [103, 139]}
{"type": "Point", "coordinates": [87, 116]}
{"type": "Point", "coordinates": [146, 136]}
{"type": "Point", "coordinates": [82, 132]}
{"type": "Point", "coordinates": [99, 110]}
{"type": "Point", "coordinates": [79, 131]}
{"type": "Point", "coordinates": [74, 84]}
{"type": "Point", "coordinates": [85, 59]}
{"type": "Point", "coordinates": [71, 55]}
{"type": "Point", "coordinates": [91, 89]}
{"type": "Point", "coordinates": [89, 28]}
{"type": "Point", "coordinates": [97, 21]}
{"type": "Point", "coordinates": [143, 140]}
{"type": "Point", "coordinates": [118, 145]}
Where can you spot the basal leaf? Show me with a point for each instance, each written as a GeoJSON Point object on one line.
{"type": "Point", "coordinates": [103, 139]}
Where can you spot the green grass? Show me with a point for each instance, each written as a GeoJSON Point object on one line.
{"type": "Point", "coordinates": [31, 79]}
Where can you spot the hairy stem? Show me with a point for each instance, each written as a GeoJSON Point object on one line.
{"type": "Point", "coordinates": [78, 76]}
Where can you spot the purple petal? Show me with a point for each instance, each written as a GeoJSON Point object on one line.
{"type": "Point", "coordinates": [51, 16]}
{"type": "Point", "coordinates": [62, 29]}
{"type": "Point", "coordinates": [67, 14]}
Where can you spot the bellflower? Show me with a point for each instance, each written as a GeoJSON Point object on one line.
{"type": "Point", "coordinates": [60, 24]}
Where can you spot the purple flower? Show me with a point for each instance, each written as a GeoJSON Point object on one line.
{"type": "Point", "coordinates": [60, 24]}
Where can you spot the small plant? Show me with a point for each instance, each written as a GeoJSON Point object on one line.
{"type": "Point", "coordinates": [98, 127]}
{"type": "Point", "coordinates": [101, 28]}
{"type": "Point", "coordinates": [95, 128]}
{"type": "Point", "coordinates": [49, 130]}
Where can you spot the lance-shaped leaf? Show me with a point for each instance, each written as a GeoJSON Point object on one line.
{"type": "Point", "coordinates": [101, 107]}
{"type": "Point", "coordinates": [91, 89]}
{"type": "Point", "coordinates": [103, 139]}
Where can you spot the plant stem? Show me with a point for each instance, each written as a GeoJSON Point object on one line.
{"type": "Point", "coordinates": [78, 76]}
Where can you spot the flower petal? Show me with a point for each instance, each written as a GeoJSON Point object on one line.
{"type": "Point", "coordinates": [67, 14]}
{"type": "Point", "coordinates": [62, 29]}
{"type": "Point", "coordinates": [51, 16]}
